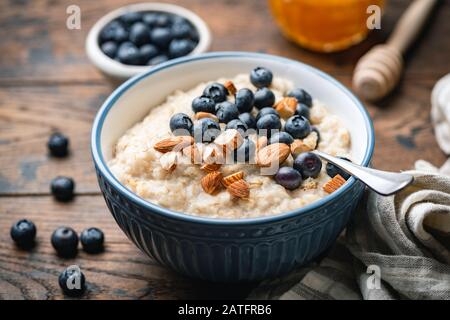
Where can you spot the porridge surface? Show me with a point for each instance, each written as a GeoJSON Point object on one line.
{"type": "Point", "coordinates": [136, 164]}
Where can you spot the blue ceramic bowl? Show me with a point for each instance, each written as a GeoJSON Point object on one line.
{"type": "Point", "coordinates": [220, 249]}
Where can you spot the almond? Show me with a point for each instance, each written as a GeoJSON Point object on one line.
{"type": "Point", "coordinates": [176, 143]}
{"type": "Point", "coordinates": [239, 189]}
{"type": "Point", "coordinates": [202, 115]}
{"type": "Point", "coordinates": [212, 182]}
{"type": "Point", "coordinates": [286, 107]}
{"type": "Point", "coordinates": [211, 167]}
{"type": "Point", "coordinates": [333, 184]}
{"type": "Point", "coordinates": [194, 152]}
{"type": "Point", "coordinates": [229, 140]}
{"type": "Point", "coordinates": [275, 153]}
{"type": "Point", "coordinates": [229, 85]}
{"type": "Point", "coordinates": [305, 145]}
{"type": "Point", "coordinates": [168, 161]}
{"type": "Point", "coordinates": [213, 154]}
{"type": "Point", "coordinates": [261, 142]}
{"type": "Point", "coordinates": [228, 180]}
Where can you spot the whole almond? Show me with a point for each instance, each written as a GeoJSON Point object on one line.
{"type": "Point", "coordinates": [176, 143]}
{"type": "Point", "coordinates": [239, 189]}
{"type": "Point", "coordinates": [212, 182]}
{"type": "Point", "coordinates": [213, 154]}
{"type": "Point", "coordinates": [229, 85]}
{"type": "Point", "coordinates": [211, 167]}
{"type": "Point", "coordinates": [194, 152]}
{"type": "Point", "coordinates": [202, 115]}
{"type": "Point", "coordinates": [261, 142]}
{"type": "Point", "coordinates": [275, 153]}
{"type": "Point", "coordinates": [168, 161]}
{"type": "Point", "coordinates": [305, 145]}
{"type": "Point", "coordinates": [228, 180]}
{"type": "Point", "coordinates": [286, 107]}
{"type": "Point", "coordinates": [229, 140]}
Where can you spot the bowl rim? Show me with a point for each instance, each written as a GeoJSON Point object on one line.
{"type": "Point", "coordinates": [168, 213]}
{"type": "Point", "coordinates": [120, 70]}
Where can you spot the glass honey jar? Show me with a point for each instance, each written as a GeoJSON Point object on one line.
{"type": "Point", "coordinates": [323, 25]}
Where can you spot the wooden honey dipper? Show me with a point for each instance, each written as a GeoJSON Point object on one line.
{"type": "Point", "coordinates": [379, 70]}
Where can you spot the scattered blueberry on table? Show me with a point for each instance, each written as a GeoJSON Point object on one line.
{"type": "Point", "coordinates": [92, 240]}
{"type": "Point", "coordinates": [65, 241]}
{"type": "Point", "coordinates": [72, 276]}
{"type": "Point", "coordinates": [62, 188]}
{"type": "Point", "coordinates": [23, 232]}
{"type": "Point", "coordinates": [58, 145]}
{"type": "Point", "coordinates": [147, 38]}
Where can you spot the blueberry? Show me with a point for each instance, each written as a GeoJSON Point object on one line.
{"type": "Point", "coordinates": [268, 123]}
{"type": "Point", "coordinates": [245, 152]}
{"type": "Point", "coordinates": [316, 130]}
{"type": "Point", "coordinates": [65, 242]}
{"type": "Point", "coordinates": [308, 164]}
{"type": "Point", "coordinates": [62, 188]}
{"type": "Point", "coordinates": [281, 137]}
{"type": "Point", "coordinates": [128, 53]}
{"type": "Point", "coordinates": [206, 130]}
{"type": "Point", "coordinates": [161, 37]}
{"type": "Point", "coordinates": [301, 95]}
{"type": "Point", "coordinates": [109, 48]}
{"type": "Point", "coordinates": [302, 110]}
{"type": "Point", "coordinates": [261, 77]}
{"type": "Point", "coordinates": [158, 59]}
{"type": "Point", "coordinates": [181, 124]}
{"type": "Point", "coordinates": [58, 145]}
{"type": "Point", "coordinates": [298, 127]}
{"type": "Point", "coordinates": [181, 30]}
{"type": "Point", "coordinates": [216, 91]}
{"type": "Point", "coordinates": [248, 119]}
{"type": "Point", "coordinates": [69, 280]}
{"type": "Point", "coordinates": [226, 111]}
{"type": "Point", "coordinates": [121, 35]}
{"type": "Point", "coordinates": [244, 100]}
{"type": "Point", "coordinates": [92, 240]}
{"type": "Point", "coordinates": [139, 34]}
{"type": "Point", "coordinates": [265, 111]}
{"type": "Point", "coordinates": [333, 170]}
{"type": "Point", "coordinates": [203, 104]}
{"type": "Point", "coordinates": [130, 18]}
{"type": "Point", "coordinates": [108, 33]}
{"type": "Point", "coordinates": [147, 52]}
{"type": "Point", "coordinates": [180, 47]}
{"type": "Point", "coordinates": [23, 232]}
{"type": "Point", "coordinates": [150, 18]}
{"type": "Point", "coordinates": [288, 177]}
{"type": "Point", "coordinates": [163, 20]}
{"type": "Point", "coordinates": [238, 125]}
{"type": "Point", "coordinates": [264, 98]}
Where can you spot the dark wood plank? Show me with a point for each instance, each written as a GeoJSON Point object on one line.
{"type": "Point", "coordinates": [121, 272]}
{"type": "Point", "coordinates": [37, 46]}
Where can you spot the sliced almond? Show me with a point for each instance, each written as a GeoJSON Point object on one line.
{"type": "Point", "coordinates": [213, 154]}
{"type": "Point", "coordinates": [305, 145]}
{"type": "Point", "coordinates": [176, 143]}
{"type": "Point", "coordinates": [275, 153]}
{"type": "Point", "coordinates": [194, 152]}
{"type": "Point", "coordinates": [211, 167]}
{"type": "Point", "coordinates": [168, 161]}
{"type": "Point", "coordinates": [286, 107]}
{"type": "Point", "coordinates": [229, 85]}
{"type": "Point", "coordinates": [212, 182]}
{"type": "Point", "coordinates": [202, 115]}
{"type": "Point", "coordinates": [229, 140]}
{"type": "Point", "coordinates": [333, 184]}
{"type": "Point", "coordinates": [239, 189]}
{"type": "Point", "coordinates": [228, 180]}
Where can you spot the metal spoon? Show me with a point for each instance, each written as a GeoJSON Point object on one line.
{"type": "Point", "coordinates": [382, 182]}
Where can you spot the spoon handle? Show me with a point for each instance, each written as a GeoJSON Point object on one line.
{"type": "Point", "coordinates": [382, 182]}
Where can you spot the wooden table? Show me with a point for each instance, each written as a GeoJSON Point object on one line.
{"type": "Point", "coordinates": [47, 84]}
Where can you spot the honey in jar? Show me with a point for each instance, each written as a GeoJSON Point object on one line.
{"type": "Point", "coordinates": [323, 25]}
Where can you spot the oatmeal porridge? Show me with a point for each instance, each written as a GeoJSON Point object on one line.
{"type": "Point", "coordinates": [176, 171]}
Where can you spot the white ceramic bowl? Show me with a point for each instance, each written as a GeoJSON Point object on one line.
{"type": "Point", "coordinates": [120, 71]}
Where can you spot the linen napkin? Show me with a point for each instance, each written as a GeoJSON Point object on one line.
{"type": "Point", "coordinates": [395, 247]}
